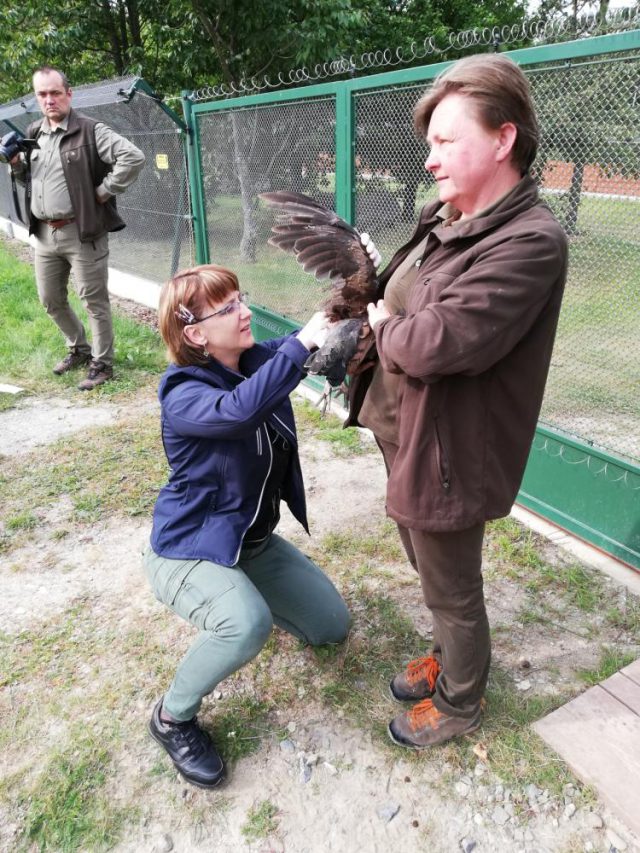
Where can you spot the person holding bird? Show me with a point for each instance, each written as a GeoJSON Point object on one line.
{"type": "Point", "coordinates": [230, 439]}
{"type": "Point", "coordinates": [449, 367]}
{"type": "Point", "coordinates": [464, 322]}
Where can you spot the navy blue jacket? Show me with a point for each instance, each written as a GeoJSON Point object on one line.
{"type": "Point", "coordinates": [215, 438]}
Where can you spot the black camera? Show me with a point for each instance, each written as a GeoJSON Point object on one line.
{"type": "Point", "coordinates": [15, 143]}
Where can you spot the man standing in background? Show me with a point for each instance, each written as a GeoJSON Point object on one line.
{"type": "Point", "coordinates": [76, 171]}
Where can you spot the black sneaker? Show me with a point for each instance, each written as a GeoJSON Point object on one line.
{"type": "Point", "coordinates": [190, 749]}
{"type": "Point", "coordinates": [71, 361]}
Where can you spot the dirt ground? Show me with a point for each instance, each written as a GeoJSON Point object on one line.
{"type": "Point", "coordinates": [335, 787]}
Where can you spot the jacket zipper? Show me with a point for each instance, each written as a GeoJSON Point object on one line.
{"type": "Point", "coordinates": [442, 460]}
{"type": "Point", "coordinates": [268, 443]}
{"type": "Point", "coordinates": [290, 431]}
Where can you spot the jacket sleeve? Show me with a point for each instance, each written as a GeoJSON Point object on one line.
{"type": "Point", "coordinates": [480, 315]}
{"type": "Point", "coordinates": [123, 156]}
{"type": "Point", "coordinates": [194, 408]}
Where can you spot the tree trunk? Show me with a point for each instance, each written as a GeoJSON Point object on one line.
{"type": "Point", "coordinates": [112, 35]}
{"type": "Point", "coordinates": [133, 16]}
{"type": "Point", "coordinates": [574, 198]}
{"type": "Point", "coordinates": [409, 198]}
{"type": "Point", "coordinates": [250, 226]}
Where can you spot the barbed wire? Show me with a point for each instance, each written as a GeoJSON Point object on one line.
{"type": "Point", "coordinates": [539, 31]}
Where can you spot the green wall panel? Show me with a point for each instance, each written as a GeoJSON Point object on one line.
{"type": "Point", "coordinates": [589, 493]}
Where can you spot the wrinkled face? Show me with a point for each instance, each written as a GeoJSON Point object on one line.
{"type": "Point", "coordinates": [465, 156]}
{"type": "Point", "coordinates": [228, 332]}
{"type": "Point", "coordinates": [53, 98]}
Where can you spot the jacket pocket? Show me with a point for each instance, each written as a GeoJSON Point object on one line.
{"type": "Point", "coordinates": [442, 458]}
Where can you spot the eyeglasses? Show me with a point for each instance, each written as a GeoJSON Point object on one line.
{"type": "Point", "coordinates": [190, 319]}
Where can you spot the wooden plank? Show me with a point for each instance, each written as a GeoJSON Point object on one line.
{"type": "Point", "coordinates": [599, 738]}
{"type": "Point", "coordinates": [625, 690]}
{"type": "Point", "coordinates": [633, 671]}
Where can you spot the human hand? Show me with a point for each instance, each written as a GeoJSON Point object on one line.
{"type": "Point", "coordinates": [314, 333]}
{"type": "Point", "coordinates": [102, 196]}
{"type": "Point", "coordinates": [370, 248]}
{"type": "Point", "coordinates": [377, 311]}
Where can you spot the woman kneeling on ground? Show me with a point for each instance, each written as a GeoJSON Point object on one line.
{"type": "Point", "coordinates": [230, 439]}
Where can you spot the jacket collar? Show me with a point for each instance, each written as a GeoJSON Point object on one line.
{"type": "Point", "coordinates": [214, 372]}
{"type": "Point", "coordinates": [69, 125]}
{"type": "Point", "coordinates": [522, 197]}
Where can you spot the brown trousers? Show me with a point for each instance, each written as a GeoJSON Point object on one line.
{"type": "Point", "coordinates": [58, 253]}
{"type": "Point", "coordinates": [450, 569]}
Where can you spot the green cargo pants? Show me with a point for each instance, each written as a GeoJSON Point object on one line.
{"type": "Point", "coordinates": [235, 608]}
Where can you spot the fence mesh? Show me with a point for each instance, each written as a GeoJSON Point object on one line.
{"type": "Point", "coordinates": [248, 151]}
{"type": "Point", "coordinates": [589, 173]}
{"type": "Point", "coordinates": [158, 236]}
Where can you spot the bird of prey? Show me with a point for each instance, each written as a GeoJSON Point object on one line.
{"type": "Point", "coordinates": [327, 246]}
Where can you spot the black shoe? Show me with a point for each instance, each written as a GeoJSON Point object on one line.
{"type": "Point", "coordinates": [190, 749]}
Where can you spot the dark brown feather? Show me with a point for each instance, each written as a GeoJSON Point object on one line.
{"type": "Point", "coordinates": [327, 246]}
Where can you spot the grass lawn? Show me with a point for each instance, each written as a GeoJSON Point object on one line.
{"type": "Point", "coordinates": [30, 343]}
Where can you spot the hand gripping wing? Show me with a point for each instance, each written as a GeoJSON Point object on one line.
{"type": "Point", "coordinates": [327, 246]}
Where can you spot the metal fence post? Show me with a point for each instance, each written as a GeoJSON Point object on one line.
{"type": "Point", "coordinates": [345, 154]}
{"type": "Point", "coordinates": [198, 209]}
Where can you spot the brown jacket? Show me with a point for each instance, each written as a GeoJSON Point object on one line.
{"type": "Point", "coordinates": [83, 172]}
{"type": "Point", "coordinates": [474, 350]}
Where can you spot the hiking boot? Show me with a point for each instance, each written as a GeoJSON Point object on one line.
{"type": "Point", "coordinates": [99, 372]}
{"type": "Point", "coordinates": [418, 681]}
{"type": "Point", "coordinates": [72, 359]}
{"type": "Point", "coordinates": [190, 749]}
{"type": "Point", "coordinates": [423, 726]}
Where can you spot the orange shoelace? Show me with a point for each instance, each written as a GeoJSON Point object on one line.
{"type": "Point", "coordinates": [426, 669]}
{"type": "Point", "coordinates": [424, 714]}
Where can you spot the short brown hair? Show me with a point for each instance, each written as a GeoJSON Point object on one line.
{"type": "Point", "coordinates": [196, 289]}
{"type": "Point", "coordinates": [500, 92]}
{"type": "Point", "coordinates": [47, 69]}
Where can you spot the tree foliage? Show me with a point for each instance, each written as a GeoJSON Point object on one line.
{"type": "Point", "coordinates": [178, 44]}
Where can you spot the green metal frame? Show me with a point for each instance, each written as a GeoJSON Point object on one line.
{"type": "Point", "coordinates": [586, 491]}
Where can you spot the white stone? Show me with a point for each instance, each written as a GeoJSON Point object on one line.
{"type": "Point", "coordinates": [615, 840]}
{"type": "Point", "coordinates": [462, 789]}
{"type": "Point", "coordinates": [500, 816]}
{"type": "Point", "coordinates": [569, 810]}
{"type": "Point", "coordinates": [594, 820]}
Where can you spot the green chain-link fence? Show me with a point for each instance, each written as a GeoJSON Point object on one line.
{"type": "Point", "coordinates": [351, 145]}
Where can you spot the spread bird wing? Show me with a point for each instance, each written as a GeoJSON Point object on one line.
{"type": "Point", "coordinates": [327, 246]}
